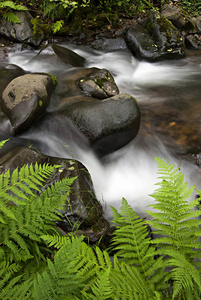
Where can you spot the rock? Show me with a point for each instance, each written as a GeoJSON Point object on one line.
{"type": "Point", "coordinates": [80, 85]}
{"type": "Point", "coordinates": [26, 98]}
{"type": "Point", "coordinates": [192, 41]}
{"type": "Point", "coordinates": [141, 44]}
{"type": "Point", "coordinates": [8, 73]}
{"type": "Point", "coordinates": [99, 84]}
{"type": "Point", "coordinates": [61, 57]}
{"type": "Point", "coordinates": [179, 18]}
{"type": "Point", "coordinates": [189, 26]}
{"type": "Point", "coordinates": [20, 32]}
{"type": "Point", "coordinates": [82, 209]}
{"type": "Point", "coordinates": [109, 124]}
{"type": "Point", "coordinates": [156, 40]}
{"type": "Point", "coordinates": [109, 44]}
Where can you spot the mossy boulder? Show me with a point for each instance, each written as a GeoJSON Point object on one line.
{"type": "Point", "coordinates": [157, 39]}
{"type": "Point", "coordinates": [26, 98]}
{"type": "Point", "coordinates": [179, 18]}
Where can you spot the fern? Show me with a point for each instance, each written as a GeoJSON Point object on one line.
{"type": "Point", "coordinates": [177, 228]}
{"type": "Point", "coordinates": [23, 222]}
{"type": "Point", "coordinates": [9, 15]}
{"type": "Point", "coordinates": [38, 263]}
{"type": "Point", "coordinates": [177, 220]}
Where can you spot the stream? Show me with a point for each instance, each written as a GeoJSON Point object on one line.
{"type": "Point", "coordinates": [169, 96]}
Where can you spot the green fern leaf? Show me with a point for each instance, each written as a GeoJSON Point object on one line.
{"type": "Point", "coordinates": [101, 288]}
{"type": "Point", "coordinates": [131, 237]}
{"type": "Point", "coordinates": [11, 17]}
{"type": "Point", "coordinates": [60, 280]}
{"type": "Point", "coordinates": [175, 219]}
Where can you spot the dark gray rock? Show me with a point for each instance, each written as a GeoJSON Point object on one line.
{"type": "Point", "coordinates": [82, 208]}
{"type": "Point", "coordinates": [156, 40]}
{"type": "Point", "coordinates": [20, 32]}
{"type": "Point", "coordinates": [98, 84]}
{"type": "Point", "coordinates": [109, 44]}
{"type": "Point", "coordinates": [141, 44]}
{"type": "Point", "coordinates": [59, 55]}
{"type": "Point", "coordinates": [78, 85]}
{"type": "Point", "coordinates": [109, 124]}
{"type": "Point", "coordinates": [26, 98]}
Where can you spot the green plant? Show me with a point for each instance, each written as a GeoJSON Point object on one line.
{"type": "Point", "coordinates": [164, 267]}
{"type": "Point", "coordinates": [27, 211]}
{"type": "Point", "coordinates": [6, 8]}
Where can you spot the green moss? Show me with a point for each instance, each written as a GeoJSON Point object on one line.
{"type": "Point", "coordinates": [37, 29]}
{"type": "Point", "coordinates": [54, 78]}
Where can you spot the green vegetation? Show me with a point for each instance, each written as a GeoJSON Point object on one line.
{"type": "Point", "coordinates": [38, 262]}
{"type": "Point", "coordinates": [52, 17]}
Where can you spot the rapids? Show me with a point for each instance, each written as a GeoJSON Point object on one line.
{"type": "Point", "coordinates": [167, 92]}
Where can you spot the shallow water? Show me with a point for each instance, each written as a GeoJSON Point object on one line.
{"type": "Point", "coordinates": [169, 95]}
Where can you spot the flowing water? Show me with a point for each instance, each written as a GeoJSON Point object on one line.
{"type": "Point", "coordinates": [169, 95]}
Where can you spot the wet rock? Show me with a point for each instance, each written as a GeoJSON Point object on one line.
{"type": "Point", "coordinates": [8, 73]}
{"type": "Point", "coordinates": [99, 84]}
{"type": "Point", "coordinates": [156, 40]}
{"type": "Point", "coordinates": [82, 210]}
{"type": "Point", "coordinates": [141, 44]}
{"type": "Point", "coordinates": [59, 57]}
{"type": "Point", "coordinates": [26, 98]}
{"type": "Point", "coordinates": [109, 124]}
{"type": "Point", "coordinates": [20, 32]}
{"type": "Point", "coordinates": [80, 85]}
{"type": "Point", "coordinates": [109, 44]}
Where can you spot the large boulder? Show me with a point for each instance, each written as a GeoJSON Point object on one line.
{"type": "Point", "coordinates": [109, 124]}
{"type": "Point", "coordinates": [82, 209]}
{"type": "Point", "coordinates": [156, 40]}
{"type": "Point", "coordinates": [8, 73]}
{"type": "Point", "coordinates": [26, 98]}
{"type": "Point", "coordinates": [20, 32]}
{"type": "Point", "coordinates": [89, 99]}
{"type": "Point", "coordinates": [84, 84]}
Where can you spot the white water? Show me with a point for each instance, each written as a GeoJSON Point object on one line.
{"type": "Point", "coordinates": [130, 172]}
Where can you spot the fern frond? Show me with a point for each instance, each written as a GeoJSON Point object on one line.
{"type": "Point", "coordinates": [131, 237]}
{"type": "Point", "coordinates": [186, 276]}
{"type": "Point", "coordinates": [175, 220]}
{"type": "Point", "coordinates": [101, 288]}
{"type": "Point", "coordinates": [128, 283]}
{"type": "Point", "coordinates": [60, 280]}
{"type": "Point", "coordinates": [11, 17]}
{"type": "Point", "coordinates": [21, 234]}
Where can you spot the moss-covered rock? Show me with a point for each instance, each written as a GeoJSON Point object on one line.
{"type": "Point", "coordinates": [158, 39]}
